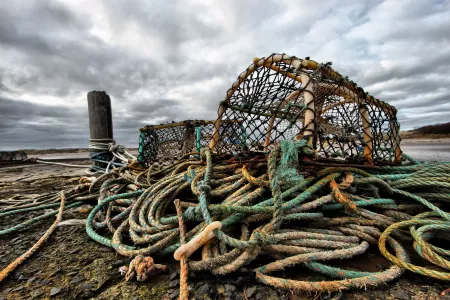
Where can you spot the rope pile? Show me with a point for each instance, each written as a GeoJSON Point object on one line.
{"type": "Point", "coordinates": [282, 206]}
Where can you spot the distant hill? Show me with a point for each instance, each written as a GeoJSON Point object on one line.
{"type": "Point", "coordinates": [429, 131]}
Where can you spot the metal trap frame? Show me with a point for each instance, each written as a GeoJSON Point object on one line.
{"type": "Point", "coordinates": [283, 97]}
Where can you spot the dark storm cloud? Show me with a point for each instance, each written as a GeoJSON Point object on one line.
{"type": "Point", "coordinates": [172, 60]}
{"type": "Point", "coordinates": [24, 124]}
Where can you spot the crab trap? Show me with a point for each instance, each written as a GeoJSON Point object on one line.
{"type": "Point", "coordinates": [165, 143]}
{"type": "Point", "coordinates": [282, 97]}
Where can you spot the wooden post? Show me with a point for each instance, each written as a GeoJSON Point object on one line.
{"type": "Point", "coordinates": [100, 123]}
{"type": "Point", "coordinates": [367, 132]}
{"type": "Point", "coordinates": [100, 117]}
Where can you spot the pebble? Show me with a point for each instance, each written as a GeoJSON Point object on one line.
{"type": "Point", "coordinates": [105, 249]}
{"type": "Point", "coordinates": [377, 295]}
{"type": "Point", "coordinates": [22, 277]}
{"type": "Point", "coordinates": [77, 279]}
{"type": "Point", "coordinates": [251, 291]}
{"type": "Point", "coordinates": [72, 273]}
{"type": "Point", "coordinates": [230, 288]}
{"type": "Point", "coordinates": [174, 283]}
{"type": "Point", "coordinates": [401, 295]}
{"type": "Point", "coordinates": [173, 275]}
{"type": "Point", "coordinates": [86, 286]}
{"type": "Point", "coordinates": [86, 290]}
{"type": "Point", "coordinates": [54, 291]}
{"type": "Point", "coordinates": [46, 281]}
{"type": "Point", "coordinates": [19, 288]}
{"type": "Point", "coordinates": [14, 240]}
{"type": "Point", "coordinates": [32, 279]}
{"type": "Point", "coordinates": [119, 263]}
{"type": "Point", "coordinates": [175, 294]}
{"type": "Point", "coordinates": [203, 290]}
{"type": "Point", "coordinates": [74, 251]}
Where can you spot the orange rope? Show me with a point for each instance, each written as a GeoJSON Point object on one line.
{"type": "Point", "coordinates": [18, 261]}
{"type": "Point", "coordinates": [184, 271]}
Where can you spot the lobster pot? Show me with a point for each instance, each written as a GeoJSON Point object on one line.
{"type": "Point", "coordinates": [282, 97]}
{"type": "Point", "coordinates": [264, 104]}
{"type": "Point", "coordinates": [164, 144]}
{"type": "Point", "coordinates": [351, 125]}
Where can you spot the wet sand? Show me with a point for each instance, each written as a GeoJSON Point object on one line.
{"type": "Point", "coordinates": [427, 149]}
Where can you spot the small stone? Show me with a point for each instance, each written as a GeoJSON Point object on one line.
{"type": "Point", "coordinates": [173, 275]}
{"type": "Point", "coordinates": [77, 279]}
{"type": "Point", "coordinates": [174, 283]}
{"type": "Point", "coordinates": [105, 249]}
{"type": "Point", "coordinates": [46, 281]}
{"type": "Point", "coordinates": [174, 294]}
{"type": "Point", "coordinates": [19, 288]}
{"type": "Point", "coordinates": [251, 291]}
{"type": "Point", "coordinates": [230, 288]}
{"type": "Point", "coordinates": [401, 295]}
{"type": "Point", "coordinates": [22, 277]}
{"type": "Point", "coordinates": [54, 291]}
{"type": "Point", "coordinates": [31, 280]}
{"type": "Point", "coordinates": [203, 290]}
{"type": "Point", "coordinates": [118, 263]}
{"type": "Point", "coordinates": [377, 295]}
{"type": "Point", "coordinates": [86, 286]}
{"type": "Point", "coordinates": [74, 251]}
{"type": "Point", "coordinates": [14, 240]}
{"type": "Point", "coordinates": [72, 273]}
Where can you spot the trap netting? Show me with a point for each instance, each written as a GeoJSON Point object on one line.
{"type": "Point", "coordinates": [163, 144]}
{"type": "Point", "coordinates": [282, 97]}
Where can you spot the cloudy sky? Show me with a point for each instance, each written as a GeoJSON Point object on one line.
{"type": "Point", "coordinates": [173, 60]}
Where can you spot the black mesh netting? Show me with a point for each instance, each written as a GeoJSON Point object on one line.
{"type": "Point", "coordinates": [163, 144]}
{"type": "Point", "coordinates": [267, 104]}
{"type": "Point", "coordinates": [285, 98]}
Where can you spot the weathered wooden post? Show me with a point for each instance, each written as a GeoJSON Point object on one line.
{"type": "Point", "coordinates": [100, 126]}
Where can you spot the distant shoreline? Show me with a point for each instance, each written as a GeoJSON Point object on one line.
{"type": "Point", "coordinates": [422, 139]}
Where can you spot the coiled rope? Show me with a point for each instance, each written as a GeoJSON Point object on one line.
{"type": "Point", "coordinates": [285, 207]}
